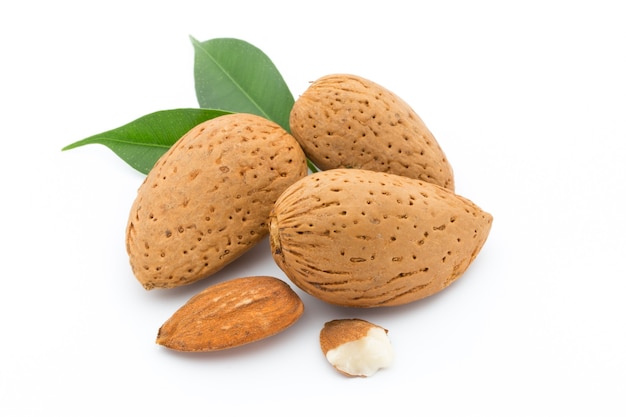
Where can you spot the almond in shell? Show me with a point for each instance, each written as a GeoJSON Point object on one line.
{"type": "Point", "coordinates": [208, 198]}
{"type": "Point", "coordinates": [347, 121]}
{"type": "Point", "coordinates": [361, 238]}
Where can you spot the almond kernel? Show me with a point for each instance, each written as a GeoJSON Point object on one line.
{"type": "Point", "coordinates": [231, 314]}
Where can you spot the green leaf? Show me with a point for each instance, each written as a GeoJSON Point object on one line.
{"type": "Point", "coordinates": [142, 142]}
{"type": "Point", "coordinates": [231, 74]}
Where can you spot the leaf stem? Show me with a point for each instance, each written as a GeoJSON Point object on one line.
{"type": "Point", "coordinates": [311, 166]}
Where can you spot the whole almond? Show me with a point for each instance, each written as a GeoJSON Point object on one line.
{"type": "Point", "coordinates": [356, 347]}
{"type": "Point", "coordinates": [346, 121]}
{"type": "Point", "coordinates": [361, 238]}
{"type": "Point", "coordinates": [207, 200]}
{"type": "Point", "coordinates": [230, 314]}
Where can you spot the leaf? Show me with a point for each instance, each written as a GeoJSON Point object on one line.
{"type": "Point", "coordinates": [231, 74]}
{"type": "Point", "coordinates": [142, 142]}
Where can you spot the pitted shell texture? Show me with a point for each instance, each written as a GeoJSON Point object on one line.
{"type": "Point", "coordinates": [361, 238]}
{"type": "Point", "coordinates": [347, 121]}
{"type": "Point", "coordinates": [208, 198]}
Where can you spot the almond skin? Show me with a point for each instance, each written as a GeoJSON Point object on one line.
{"type": "Point", "coordinates": [346, 121]}
{"type": "Point", "coordinates": [207, 200]}
{"type": "Point", "coordinates": [361, 238]}
{"type": "Point", "coordinates": [231, 314]}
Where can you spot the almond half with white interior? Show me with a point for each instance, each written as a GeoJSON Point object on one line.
{"type": "Point", "coordinates": [230, 314]}
{"type": "Point", "coordinates": [356, 347]}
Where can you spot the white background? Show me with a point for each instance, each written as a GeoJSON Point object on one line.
{"type": "Point", "coordinates": [527, 99]}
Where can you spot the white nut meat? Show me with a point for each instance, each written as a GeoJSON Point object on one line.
{"type": "Point", "coordinates": [356, 347]}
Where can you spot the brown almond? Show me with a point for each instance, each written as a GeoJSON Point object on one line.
{"type": "Point", "coordinates": [230, 314]}
{"type": "Point", "coordinates": [207, 200]}
{"type": "Point", "coordinates": [347, 121]}
{"type": "Point", "coordinates": [361, 238]}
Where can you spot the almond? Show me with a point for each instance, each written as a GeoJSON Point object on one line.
{"type": "Point", "coordinates": [361, 238]}
{"type": "Point", "coordinates": [356, 347]}
{"type": "Point", "coordinates": [207, 200]}
{"type": "Point", "coordinates": [232, 313]}
{"type": "Point", "coordinates": [347, 121]}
